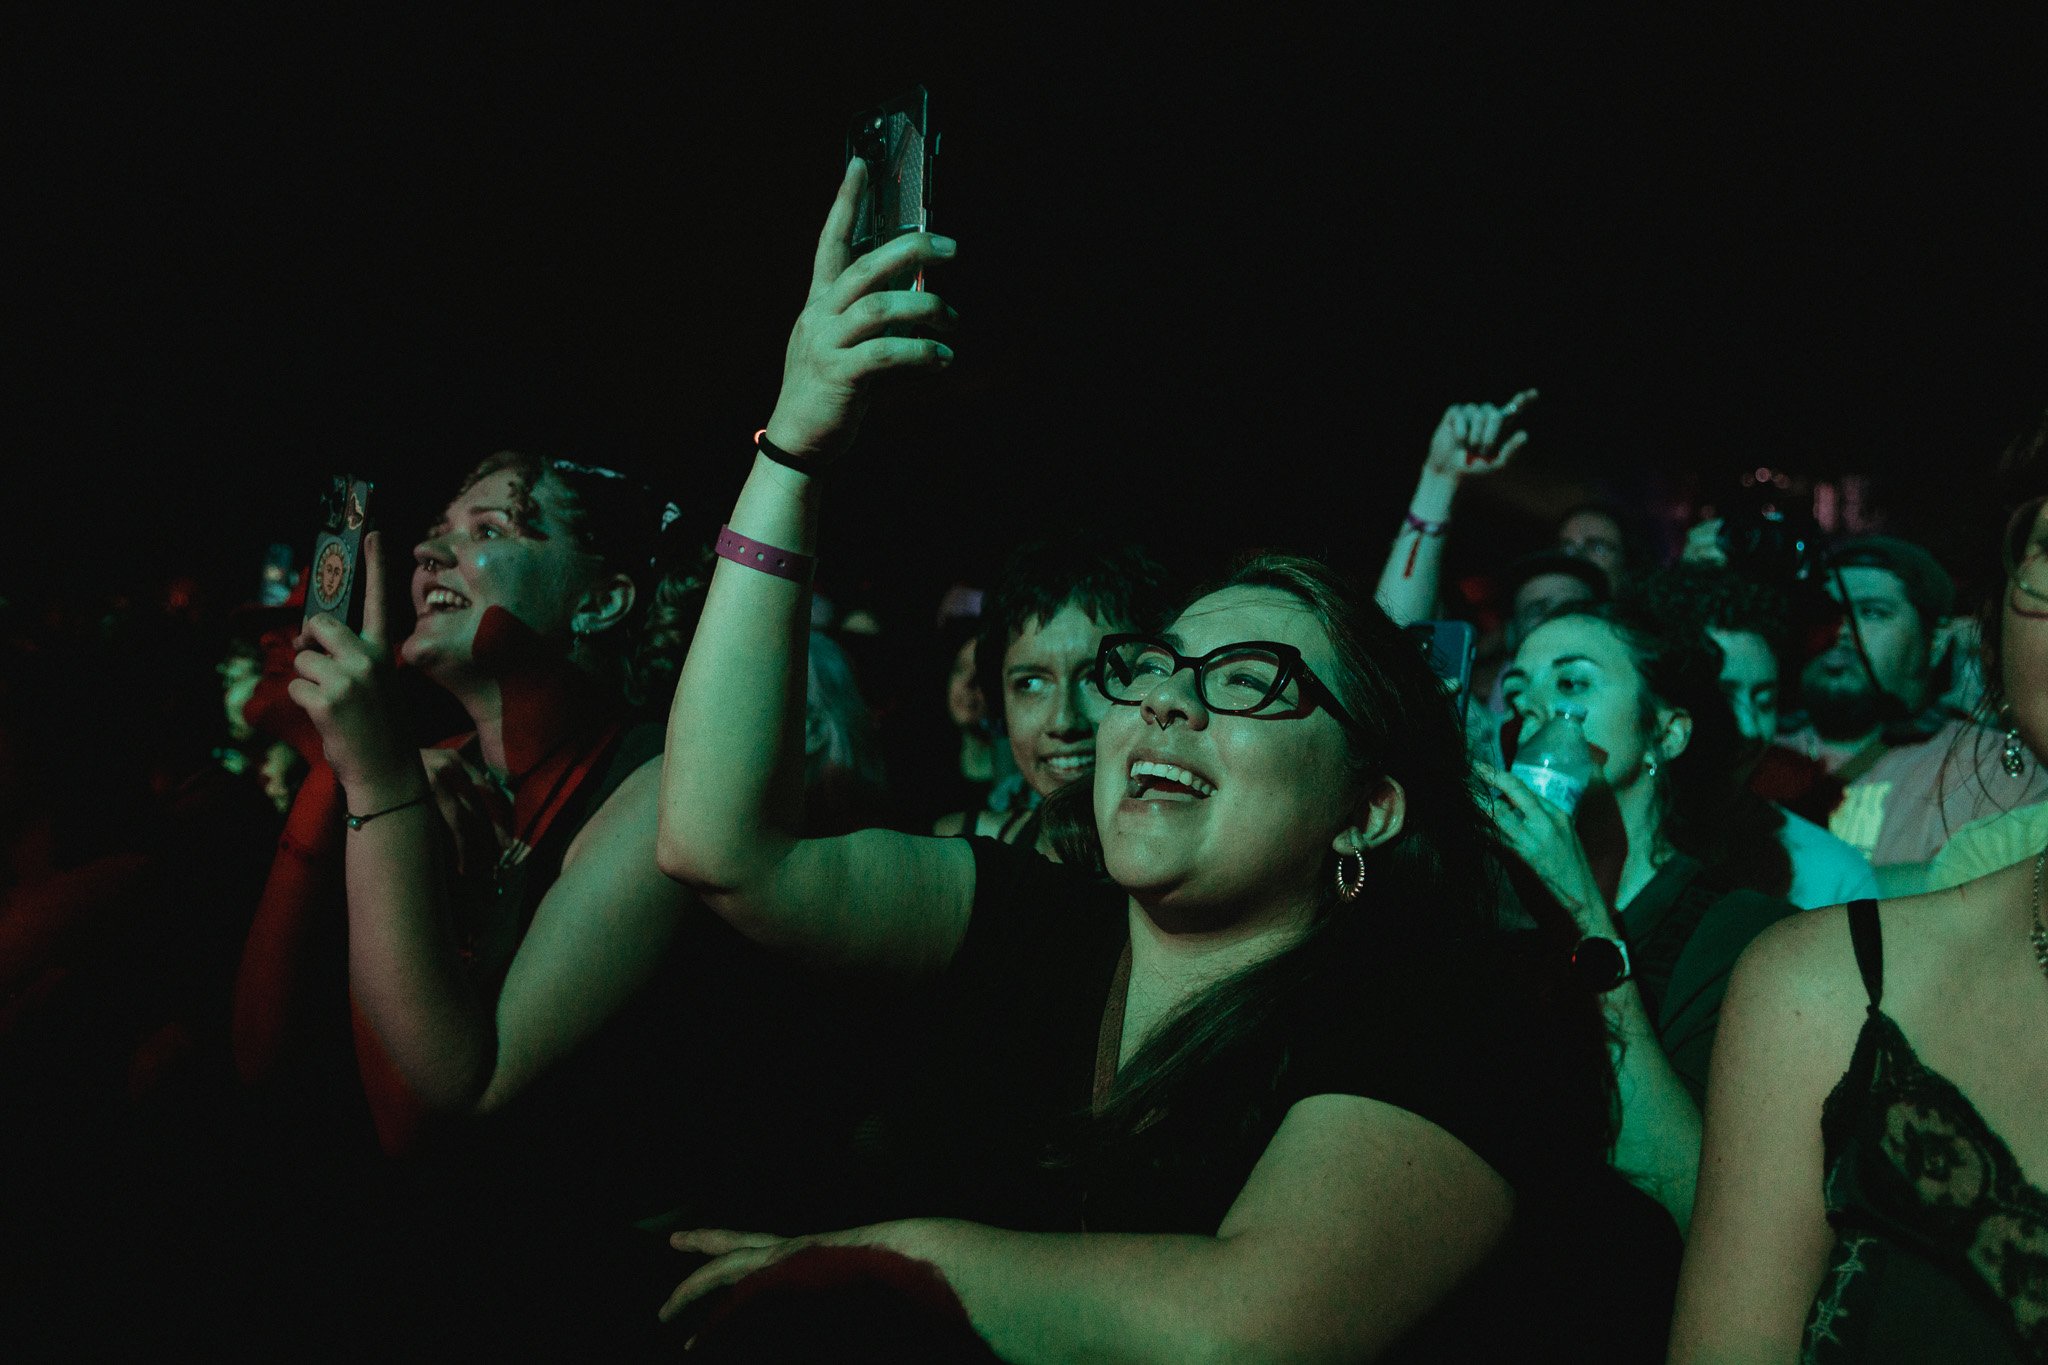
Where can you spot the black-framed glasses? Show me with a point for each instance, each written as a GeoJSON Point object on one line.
{"type": "Point", "coordinates": [2025, 554]}
{"type": "Point", "coordinates": [1251, 677]}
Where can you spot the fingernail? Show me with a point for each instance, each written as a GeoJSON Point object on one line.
{"type": "Point", "coordinates": [945, 353]}
{"type": "Point", "coordinates": [851, 163]}
{"type": "Point", "coordinates": [944, 246]}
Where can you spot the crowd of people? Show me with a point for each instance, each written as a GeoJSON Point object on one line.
{"type": "Point", "coordinates": [568, 965]}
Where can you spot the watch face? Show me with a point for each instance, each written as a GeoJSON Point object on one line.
{"type": "Point", "coordinates": [1600, 963]}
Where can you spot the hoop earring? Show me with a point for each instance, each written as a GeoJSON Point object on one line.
{"type": "Point", "coordinates": [2014, 756]}
{"type": "Point", "coordinates": [1350, 887]}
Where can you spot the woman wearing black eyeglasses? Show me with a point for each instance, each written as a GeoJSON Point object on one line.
{"type": "Point", "coordinates": [1253, 1072]}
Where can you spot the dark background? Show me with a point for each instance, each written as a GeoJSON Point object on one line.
{"type": "Point", "coordinates": [1219, 278]}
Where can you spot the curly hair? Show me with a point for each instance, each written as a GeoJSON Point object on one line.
{"type": "Point", "coordinates": [1711, 597]}
{"type": "Point", "coordinates": [624, 525]}
{"type": "Point", "coordinates": [1115, 582]}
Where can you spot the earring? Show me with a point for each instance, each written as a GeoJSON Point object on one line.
{"type": "Point", "coordinates": [1349, 887]}
{"type": "Point", "coordinates": [2014, 757]}
{"type": "Point", "coordinates": [1650, 764]}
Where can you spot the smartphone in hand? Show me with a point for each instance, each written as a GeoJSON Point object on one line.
{"type": "Point", "coordinates": [335, 586]}
{"type": "Point", "coordinates": [1449, 647]}
{"type": "Point", "coordinates": [897, 143]}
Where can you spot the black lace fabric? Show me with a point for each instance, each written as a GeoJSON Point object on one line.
{"type": "Point", "coordinates": [1941, 1247]}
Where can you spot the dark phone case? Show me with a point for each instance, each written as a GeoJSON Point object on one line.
{"type": "Point", "coordinates": [1449, 647]}
{"type": "Point", "coordinates": [334, 582]}
{"type": "Point", "coordinates": [895, 140]}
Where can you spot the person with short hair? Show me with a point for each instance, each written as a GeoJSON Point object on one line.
{"type": "Point", "coordinates": [1035, 659]}
{"type": "Point", "coordinates": [1608, 536]}
{"type": "Point", "coordinates": [1749, 623]}
{"type": "Point", "coordinates": [1910, 775]}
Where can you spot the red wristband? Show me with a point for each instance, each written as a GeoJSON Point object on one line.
{"type": "Point", "coordinates": [767, 558]}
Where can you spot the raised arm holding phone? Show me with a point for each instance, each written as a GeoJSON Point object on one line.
{"type": "Point", "coordinates": [1260, 1089]}
{"type": "Point", "coordinates": [502, 897]}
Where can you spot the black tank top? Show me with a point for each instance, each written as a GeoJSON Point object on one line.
{"type": "Point", "coordinates": [1941, 1248]}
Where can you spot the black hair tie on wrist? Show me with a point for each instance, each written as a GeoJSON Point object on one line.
{"type": "Point", "coordinates": [814, 468]}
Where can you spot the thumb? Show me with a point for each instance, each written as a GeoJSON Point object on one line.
{"type": "Point", "coordinates": [373, 591]}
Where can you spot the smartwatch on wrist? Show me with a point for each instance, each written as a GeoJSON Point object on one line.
{"type": "Point", "coordinates": [1600, 963]}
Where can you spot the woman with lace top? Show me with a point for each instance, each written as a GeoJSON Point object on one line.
{"type": "Point", "coordinates": [1871, 1187]}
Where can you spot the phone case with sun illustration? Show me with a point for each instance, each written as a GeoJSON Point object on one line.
{"type": "Point", "coordinates": [334, 586]}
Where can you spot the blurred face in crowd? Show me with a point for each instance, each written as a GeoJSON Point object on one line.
{"type": "Point", "coordinates": [1583, 661]}
{"type": "Point", "coordinates": [1537, 598]}
{"type": "Point", "coordinates": [1050, 704]}
{"type": "Point", "coordinates": [964, 703]}
{"type": "Point", "coordinates": [1225, 813]}
{"type": "Point", "coordinates": [495, 547]}
{"type": "Point", "coordinates": [2023, 656]}
{"type": "Point", "coordinates": [1596, 538]}
{"type": "Point", "coordinates": [279, 774]}
{"type": "Point", "coordinates": [1835, 687]}
{"type": "Point", "coordinates": [1749, 677]}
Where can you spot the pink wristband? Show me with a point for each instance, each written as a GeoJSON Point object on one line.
{"type": "Point", "coordinates": [769, 560]}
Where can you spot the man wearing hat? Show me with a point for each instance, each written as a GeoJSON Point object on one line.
{"type": "Point", "coordinates": [1911, 774]}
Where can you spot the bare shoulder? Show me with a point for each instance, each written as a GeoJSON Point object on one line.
{"type": "Point", "coordinates": [950, 824]}
{"type": "Point", "coordinates": [1960, 913]}
{"type": "Point", "coordinates": [1938, 941]}
{"type": "Point", "coordinates": [1803, 957]}
{"type": "Point", "coordinates": [1797, 985]}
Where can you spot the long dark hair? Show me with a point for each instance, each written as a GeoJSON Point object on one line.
{"type": "Point", "coordinates": [2022, 477]}
{"type": "Point", "coordinates": [1705, 808]}
{"type": "Point", "coordinates": [1433, 889]}
{"type": "Point", "coordinates": [624, 524]}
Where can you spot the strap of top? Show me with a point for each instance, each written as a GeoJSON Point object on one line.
{"type": "Point", "coordinates": [1868, 941]}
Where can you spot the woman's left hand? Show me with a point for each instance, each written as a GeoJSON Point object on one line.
{"type": "Point", "coordinates": [1543, 836]}
{"type": "Point", "coordinates": [734, 1256]}
{"type": "Point", "coordinates": [344, 687]}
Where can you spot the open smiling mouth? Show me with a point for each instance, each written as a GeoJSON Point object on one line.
{"type": "Point", "coordinates": [443, 599]}
{"type": "Point", "coordinates": [1151, 781]}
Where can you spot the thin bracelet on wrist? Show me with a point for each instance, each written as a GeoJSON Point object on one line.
{"type": "Point", "coordinates": [774, 452]}
{"type": "Point", "coordinates": [1425, 527]}
{"type": "Point", "coordinates": [355, 821]}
